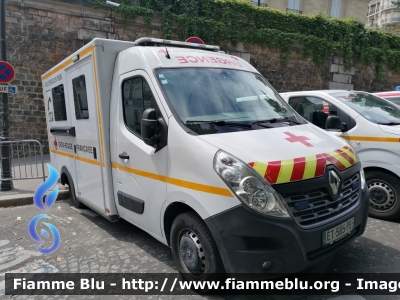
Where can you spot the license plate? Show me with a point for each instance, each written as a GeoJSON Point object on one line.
{"type": "Point", "coordinates": [336, 233]}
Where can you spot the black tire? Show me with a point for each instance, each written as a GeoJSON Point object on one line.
{"type": "Point", "coordinates": [384, 195]}
{"type": "Point", "coordinates": [72, 196]}
{"type": "Point", "coordinates": [189, 229]}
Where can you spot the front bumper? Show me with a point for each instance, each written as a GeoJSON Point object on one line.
{"type": "Point", "coordinates": [246, 240]}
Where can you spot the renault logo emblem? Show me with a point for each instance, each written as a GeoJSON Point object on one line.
{"type": "Point", "coordinates": [334, 182]}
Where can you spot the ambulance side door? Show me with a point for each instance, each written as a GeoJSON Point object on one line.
{"type": "Point", "coordinates": [87, 148]}
{"type": "Point", "coordinates": [60, 122]}
{"type": "Point", "coordinates": [140, 170]}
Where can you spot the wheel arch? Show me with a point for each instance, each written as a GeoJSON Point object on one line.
{"type": "Point", "coordinates": [66, 178]}
{"type": "Point", "coordinates": [173, 210]}
{"type": "Point", "coordinates": [379, 169]}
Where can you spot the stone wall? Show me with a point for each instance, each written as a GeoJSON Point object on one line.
{"type": "Point", "coordinates": [40, 33]}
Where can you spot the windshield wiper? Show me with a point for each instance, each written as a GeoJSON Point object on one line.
{"type": "Point", "coordinates": [220, 123]}
{"type": "Point", "coordinates": [275, 120]}
{"type": "Point", "coordinates": [390, 123]}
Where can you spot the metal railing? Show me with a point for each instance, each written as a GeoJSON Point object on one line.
{"type": "Point", "coordinates": [390, 20]}
{"type": "Point", "coordinates": [390, 6]}
{"type": "Point", "coordinates": [294, 10]}
{"type": "Point", "coordinates": [256, 3]}
{"type": "Point", "coordinates": [26, 160]}
{"type": "Point", "coordinates": [373, 11]}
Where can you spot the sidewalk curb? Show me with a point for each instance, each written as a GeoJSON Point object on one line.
{"type": "Point", "coordinates": [27, 199]}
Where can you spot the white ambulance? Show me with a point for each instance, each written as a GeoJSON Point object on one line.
{"type": "Point", "coordinates": [196, 148]}
{"type": "Point", "coordinates": [371, 125]}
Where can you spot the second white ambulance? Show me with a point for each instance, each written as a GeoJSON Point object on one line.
{"type": "Point", "coordinates": [196, 148]}
{"type": "Point", "coordinates": [371, 126]}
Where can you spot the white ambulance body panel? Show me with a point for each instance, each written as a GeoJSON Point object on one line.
{"type": "Point", "coordinates": [86, 155]}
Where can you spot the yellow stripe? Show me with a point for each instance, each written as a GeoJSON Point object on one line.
{"type": "Point", "coordinates": [182, 183]}
{"type": "Point", "coordinates": [62, 153]}
{"type": "Point", "coordinates": [261, 168]}
{"type": "Point", "coordinates": [286, 171]}
{"type": "Point", "coordinates": [349, 153]}
{"type": "Point", "coordinates": [371, 139]}
{"type": "Point", "coordinates": [98, 105]}
{"type": "Point", "coordinates": [63, 66]}
{"type": "Point", "coordinates": [67, 63]}
{"type": "Point", "coordinates": [86, 160]}
{"type": "Point", "coordinates": [340, 158]}
{"type": "Point", "coordinates": [89, 161]}
{"type": "Point", "coordinates": [311, 167]}
{"type": "Point", "coordinates": [143, 173]}
{"type": "Point", "coordinates": [200, 187]}
{"type": "Point", "coordinates": [86, 51]}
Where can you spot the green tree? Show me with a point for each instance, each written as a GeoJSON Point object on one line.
{"type": "Point", "coordinates": [397, 2]}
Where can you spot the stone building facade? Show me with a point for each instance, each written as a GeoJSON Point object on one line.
{"type": "Point", "coordinates": [383, 14]}
{"type": "Point", "coordinates": [41, 33]}
{"type": "Point", "coordinates": [334, 8]}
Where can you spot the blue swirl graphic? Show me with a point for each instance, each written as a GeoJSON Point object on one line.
{"type": "Point", "coordinates": [44, 187]}
{"type": "Point", "coordinates": [49, 201]}
{"type": "Point", "coordinates": [32, 232]}
{"type": "Point", "coordinates": [45, 233]}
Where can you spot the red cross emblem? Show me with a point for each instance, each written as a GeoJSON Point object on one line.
{"type": "Point", "coordinates": [162, 51]}
{"type": "Point", "coordinates": [55, 143]}
{"type": "Point", "coordinates": [294, 138]}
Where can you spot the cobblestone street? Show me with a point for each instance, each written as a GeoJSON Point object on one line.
{"type": "Point", "coordinates": [90, 243]}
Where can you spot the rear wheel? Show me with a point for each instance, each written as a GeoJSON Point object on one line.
{"type": "Point", "coordinates": [384, 193]}
{"type": "Point", "coordinates": [193, 248]}
{"type": "Point", "coordinates": [72, 196]}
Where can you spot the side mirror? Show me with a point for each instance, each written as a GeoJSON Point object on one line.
{"type": "Point", "coordinates": [333, 123]}
{"type": "Point", "coordinates": [154, 130]}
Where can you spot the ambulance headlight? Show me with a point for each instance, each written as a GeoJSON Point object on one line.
{"type": "Point", "coordinates": [249, 186]}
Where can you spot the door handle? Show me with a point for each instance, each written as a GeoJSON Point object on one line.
{"type": "Point", "coordinates": [123, 155]}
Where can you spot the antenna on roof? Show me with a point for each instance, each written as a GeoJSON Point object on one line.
{"type": "Point", "coordinates": [167, 55]}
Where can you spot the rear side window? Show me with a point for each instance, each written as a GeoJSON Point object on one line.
{"type": "Point", "coordinates": [80, 97]}
{"type": "Point", "coordinates": [313, 109]}
{"type": "Point", "coordinates": [60, 112]}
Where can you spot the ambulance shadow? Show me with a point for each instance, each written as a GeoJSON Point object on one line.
{"type": "Point", "coordinates": [126, 232]}
{"type": "Point", "coordinates": [362, 255]}
{"type": "Point", "coordinates": [366, 255]}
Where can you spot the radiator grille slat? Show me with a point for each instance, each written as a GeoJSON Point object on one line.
{"type": "Point", "coordinates": [317, 206]}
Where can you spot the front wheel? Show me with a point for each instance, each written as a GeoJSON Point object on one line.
{"type": "Point", "coordinates": [193, 248]}
{"type": "Point", "coordinates": [384, 193]}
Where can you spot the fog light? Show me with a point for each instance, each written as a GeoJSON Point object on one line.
{"type": "Point", "coordinates": [266, 265]}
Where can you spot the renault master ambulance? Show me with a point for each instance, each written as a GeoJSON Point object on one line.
{"type": "Point", "coordinates": [371, 125]}
{"type": "Point", "coordinates": [196, 148]}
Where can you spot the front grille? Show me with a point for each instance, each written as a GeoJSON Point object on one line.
{"type": "Point", "coordinates": [315, 207]}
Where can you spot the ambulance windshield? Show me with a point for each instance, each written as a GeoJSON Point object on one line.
{"type": "Point", "coordinates": [224, 97]}
{"type": "Point", "coordinates": [373, 108]}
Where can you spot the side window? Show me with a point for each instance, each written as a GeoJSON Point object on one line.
{"type": "Point", "coordinates": [314, 110]}
{"type": "Point", "coordinates": [80, 98]}
{"type": "Point", "coordinates": [60, 112]}
{"type": "Point", "coordinates": [395, 100]}
{"type": "Point", "coordinates": [136, 97]}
